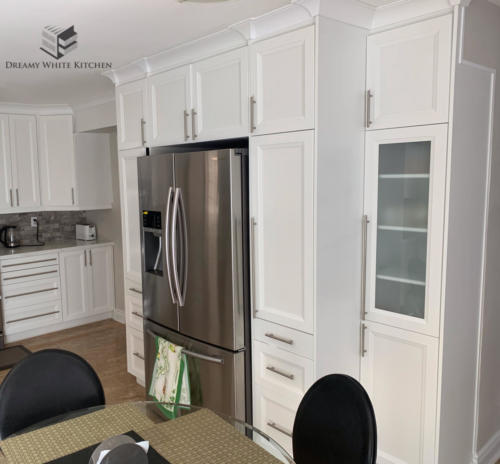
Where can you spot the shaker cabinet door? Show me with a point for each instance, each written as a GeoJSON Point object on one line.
{"type": "Point", "coordinates": [408, 74]}
{"type": "Point", "coordinates": [101, 279]}
{"type": "Point", "coordinates": [6, 199]}
{"type": "Point", "coordinates": [130, 114]}
{"type": "Point", "coordinates": [282, 83]}
{"type": "Point", "coordinates": [282, 228]}
{"type": "Point", "coordinates": [404, 203]}
{"type": "Point", "coordinates": [74, 284]}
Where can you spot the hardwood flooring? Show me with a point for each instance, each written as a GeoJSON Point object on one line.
{"type": "Point", "coordinates": [103, 345]}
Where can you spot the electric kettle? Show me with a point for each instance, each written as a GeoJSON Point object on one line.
{"type": "Point", "coordinates": [8, 237]}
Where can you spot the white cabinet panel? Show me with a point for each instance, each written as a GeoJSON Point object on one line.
{"type": "Point", "coordinates": [6, 200]}
{"type": "Point", "coordinates": [408, 73]}
{"type": "Point", "coordinates": [220, 96]}
{"type": "Point", "coordinates": [399, 372]}
{"type": "Point", "coordinates": [57, 160]}
{"type": "Point", "coordinates": [282, 208]}
{"type": "Point", "coordinates": [74, 284]}
{"type": "Point", "coordinates": [24, 153]}
{"type": "Point", "coordinates": [282, 82]}
{"type": "Point", "coordinates": [101, 279]}
{"type": "Point", "coordinates": [404, 202]}
{"type": "Point", "coordinates": [129, 193]}
{"type": "Point", "coordinates": [131, 103]}
{"type": "Point", "coordinates": [169, 95]}
{"type": "Point", "coordinates": [133, 310]}
{"type": "Point", "coordinates": [135, 353]}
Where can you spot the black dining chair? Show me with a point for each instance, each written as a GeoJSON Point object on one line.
{"type": "Point", "coordinates": [44, 385]}
{"type": "Point", "coordinates": [335, 423]}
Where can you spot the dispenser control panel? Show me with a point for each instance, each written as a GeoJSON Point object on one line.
{"type": "Point", "coordinates": [151, 219]}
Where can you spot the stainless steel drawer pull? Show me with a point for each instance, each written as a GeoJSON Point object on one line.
{"type": "Point", "coordinates": [137, 355]}
{"type": "Point", "coordinates": [32, 317]}
{"type": "Point", "coordinates": [369, 97]}
{"type": "Point", "coordinates": [31, 293]}
{"type": "Point", "coordinates": [30, 262]}
{"type": "Point", "coordinates": [17, 196]}
{"type": "Point", "coordinates": [253, 102]}
{"type": "Point", "coordinates": [135, 313]}
{"type": "Point", "coordinates": [279, 428]}
{"type": "Point", "coordinates": [11, 200]}
{"type": "Point", "coordinates": [283, 374]}
{"type": "Point", "coordinates": [135, 290]}
{"type": "Point", "coordinates": [288, 341]}
{"type": "Point", "coordinates": [193, 123]}
{"type": "Point", "coordinates": [31, 275]}
{"type": "Point", "coordinates": [186, 116]}
{"type": "Point", "coordinates": [203, 357]}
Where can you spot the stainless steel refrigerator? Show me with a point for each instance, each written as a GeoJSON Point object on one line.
{"type": "Point", "coordinates": [194, 206]}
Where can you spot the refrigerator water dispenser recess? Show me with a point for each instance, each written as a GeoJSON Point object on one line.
{"type": "Point", "coordinates": [151, 221]}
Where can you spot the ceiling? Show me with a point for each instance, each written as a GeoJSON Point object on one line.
{"type": "Point", "coordinates": [379, 2]}
{"type": "Point", "coordinates": [116, 31]}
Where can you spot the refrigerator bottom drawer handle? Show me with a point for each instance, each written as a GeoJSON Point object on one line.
{"type": "Point", "coordinates": [203, 357]}
{"type": "Point", "coordinates": [279, 428]}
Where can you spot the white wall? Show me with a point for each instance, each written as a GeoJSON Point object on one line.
{"type": "Point", "coordinates": [482, 45]}
{"type": "Point", "coordinates": [95, 117]}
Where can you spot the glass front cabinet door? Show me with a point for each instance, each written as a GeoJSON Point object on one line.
{"type": "Point", "coordinates": [405, 183]}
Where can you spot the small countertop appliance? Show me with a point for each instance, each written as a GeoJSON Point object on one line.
{"type": "Point", "coordinates": [8, 236]}
{"type": "Point", "coordinates": [86, 232]}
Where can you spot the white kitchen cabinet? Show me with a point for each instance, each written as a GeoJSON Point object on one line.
{"type": "Point", "coordinates": [220, 96]}
{"type": "Point", "coordinates": [408, 74]}
{"type": "Point", "coordinates": [131, 104]}
{"type": "Point", "coordinates": [135, 354]}
{"type": "Point", "coordinates": [399, 371]}
{"type": "Point", "coordinates": [169, 95]}
{"type": "Point", "coordinates": [282, 228]}
{"type": "Point", "coordinates": [87, 281]}
{"type": "Point", "coordinates": [6, 201]}
{"type": "Point", "coordinates": [405, 174]}
{"type": "Point", "coordinates": [24, 156]}
{"type": "Point", "coordinates": [283, 83]}
{"type": "Point", "coordinates": [57, 160]}
{"type": "Point", "coordinates": [129, 194]}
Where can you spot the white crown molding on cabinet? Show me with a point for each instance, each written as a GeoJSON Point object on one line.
{"type": "Point", "coordinates": [46, 110]}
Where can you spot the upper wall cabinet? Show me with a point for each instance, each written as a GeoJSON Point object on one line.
{"type": "Point", "coordinates": [169, 95]}
{"type": "Point", "coordinates": [130, 114]}
{"type": "Point", "coordinates": [408, 75]}
{"type": "Point", "coordinates": [282, 83]}
{"type": "Point", "coordinates": [220, 96]}
{"type": "Point", "coordinates": [24, 157]}
{"type": "Point", "coordinates": [6, 200]}
{"type": "Point", "coordinates": [57, 160]}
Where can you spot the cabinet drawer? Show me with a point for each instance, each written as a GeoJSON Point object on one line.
{"type": "Point", "coordinates": [32, 292]}
{"type": "Point", "coordinates": [29, 275]}
{"type": "Point", "coordinates": [275, 368]}
{"type": "Point", "coordinates": [133, 288]}
{"type": "Point", "coordinates": [31, 262]}
{"type": "Point", "coordinates": [274, 416]}
{"type": "Point", "coordinates": [283, 337]}
{"type": "Point", "coordinates": [133, 316]}
{"type": "Point", "coordinates": [32, 317]}
{"type": "Point", "coordinates": [135, 353]}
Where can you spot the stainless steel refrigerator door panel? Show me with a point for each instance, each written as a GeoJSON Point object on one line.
{"type": "Point", "coordinates": [216, 376]}
{"type": "Point", "coordinates": [210, 185]}
{"type": "Point", "coordinates": [156, 183]}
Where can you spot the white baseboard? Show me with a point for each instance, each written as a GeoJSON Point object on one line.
{"type": "Point", "coordinates": [57, 327]}
{"type": "Point", "coordinates": [119, 315]}
{"type": "Point", "coordinates": [490, 452]}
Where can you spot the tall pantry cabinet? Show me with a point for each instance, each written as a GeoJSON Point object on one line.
{"type": "Point", "coordinates": [426, 170]}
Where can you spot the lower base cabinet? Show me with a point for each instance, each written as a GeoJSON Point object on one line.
{"type": "Point", "coordinates": [135, 353]}
{"type": "Point", "coordinates": [400, 373]}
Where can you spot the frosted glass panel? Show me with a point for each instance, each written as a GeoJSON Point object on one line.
{"type": "Point", "coordinates": [403, 206]}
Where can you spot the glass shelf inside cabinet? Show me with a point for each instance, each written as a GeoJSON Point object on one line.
{"type": "Point", "coordinates": [403, 206]}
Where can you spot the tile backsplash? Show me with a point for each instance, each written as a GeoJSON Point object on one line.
{"type": "Point", "coordinates": [53, 225]}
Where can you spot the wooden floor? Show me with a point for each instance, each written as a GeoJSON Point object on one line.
{"type": "Point", "coordinates": [103, 345]}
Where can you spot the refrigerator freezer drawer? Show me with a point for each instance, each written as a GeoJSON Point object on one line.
{"type": "Point", "coordinates": [216, 376]}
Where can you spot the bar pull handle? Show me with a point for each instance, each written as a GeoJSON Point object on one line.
{"type": "Point", "coordinates": [175, 270]}
{"type": "Point", "coordinates": [90, 257]}
{"type": "Point", "coordinates": [72, 195]}
{"type": "Point", "coordinates": [85, 257]}
{"type": "Point", "coordinates": [31, 317]}
{"type": "Point", "coordinates": [17, 196]}
{"type": "Point", "coordinates": [204, 357]}
{"type": "Point", "coordinates": [30, 293]}
{"type": "Point", "coordinates": [362, 349]}
{"type": "Point", "coordinates": [253, 102]}
{"type": "Point", "coordinates": [369, 97]}
{"type": "Point", "coordinates": [364, 239]}
{"type": "Point", "coordinates": [30, 275]}
{"type": "Point", "coordinates": [11, 199]}
{"type": "Point", "coordinates": [279, 428]}
{"type": "Point", "coordinates": [143, 137]}
{"type": "Point", "coordinates": [277, 371]}
{"type": "Point", "coordinates": [135, 313]}
{"type": "Point", "coordinates": [186, 116]}
{"type": "Point", "coordinates": [253, 225]}
{"type": "Point", "coordinates": [135, 290]}
{"type": "Point", "coordinates": [167, 242]}
{"type": "Point", "coordinates": [193, 123]}
{"type": "Point", "coordinates": [29, 262]}
{"type": "Point", "coordinates": [288, 341]}
{"type": "Point", "coordinates": [137, 355]}
{"type": "Point", "coordinates": [185, 244]}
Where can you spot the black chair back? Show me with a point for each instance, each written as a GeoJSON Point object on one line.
{"type": "Point", "coordinates": [46, 384]}
{"type": "Point", "coordinates": [335, 423]}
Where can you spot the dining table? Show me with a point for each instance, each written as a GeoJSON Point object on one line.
{"type": "Point", "coordinates": [177, 434]}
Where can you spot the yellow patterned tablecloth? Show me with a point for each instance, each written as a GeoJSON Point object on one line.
{"type": "Point", "coordinates": [201, 437]}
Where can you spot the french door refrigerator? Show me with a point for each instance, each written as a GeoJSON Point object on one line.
{"type": "Point", "coordinates": [193, 203]}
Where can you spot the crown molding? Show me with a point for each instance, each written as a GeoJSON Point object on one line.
{"type": "Point", "coordinates": [37, 110]}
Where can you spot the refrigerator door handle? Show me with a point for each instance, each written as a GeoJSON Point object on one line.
{"type": "Point", "coordinates": [204, 357]}
{"type": "Point", "coordinates": [167, 242]}
{"type": "Point", "coordinates": [182, 211]}
{"type": "Point", "coordinates": [173, 248]}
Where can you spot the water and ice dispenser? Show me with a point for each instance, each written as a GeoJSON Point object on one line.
{"type": "Point", "coordinates": [152, 239]}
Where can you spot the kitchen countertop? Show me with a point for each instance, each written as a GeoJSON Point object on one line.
{"type": "Point", "coordinates": [51, 246]}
